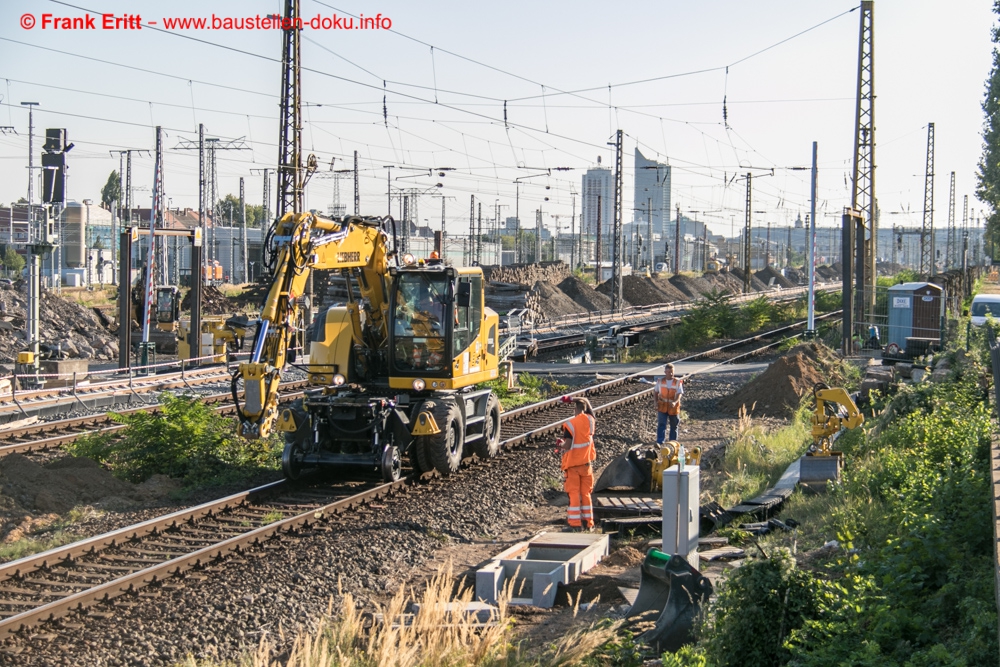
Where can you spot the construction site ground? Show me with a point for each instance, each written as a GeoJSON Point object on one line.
{"type": "Point", "coordinates": [705, 425]}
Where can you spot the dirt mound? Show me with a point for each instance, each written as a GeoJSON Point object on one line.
{"type": "Point", "coordinates": [724, 281]}
{"type": "Point", "coordinates": [553, 303]}
{"type": "Point", "coordinates": [213, 302]}
{"type": "Point", "coordinates": [585, 295]}
{"type": "Point", "coordinates": [778, 391]}
{"type": "Point", "coordinates": [693, 288]}
{"type": "Point", "coordinates": [64, 325]}
{"type": "Point", "coordinates": [59, 486]}
{"type": "Point", "coordinates": [624, 557]}
{"type": "Point", "coordinates": [755, 283]}
{"type": "Point", "coordinates": [766, 274]}
{"type": "Point", "coordinates": [829, 273]}
{"type": "Point", "coordinates": [643, 291]}
{"type": "Point", "coordinates": [797, 276]}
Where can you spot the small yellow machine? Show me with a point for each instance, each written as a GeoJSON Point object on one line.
{"type": "Point", "coordinates": [394, 369]}
{"type": "Point", "coordinates": [219, 336]}
{"type": "Point", "coordinates": [835, 412]}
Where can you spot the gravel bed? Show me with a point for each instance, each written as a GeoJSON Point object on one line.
{"type": "Point", "coordinates": [287, 585]}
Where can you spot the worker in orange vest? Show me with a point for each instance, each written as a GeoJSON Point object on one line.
{"type": "Point", "coordinates": [577, 454]}
{"type": "Point", "coordinates": [667, 392]}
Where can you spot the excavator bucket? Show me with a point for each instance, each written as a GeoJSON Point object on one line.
{"type": "Point", "coordinates": [671, 593]}
{"type": "Point", "coordinates": [631, 470]}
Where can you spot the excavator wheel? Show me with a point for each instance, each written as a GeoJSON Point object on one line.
{"type": "Point", "coordinates": [392, 464]}
{"type": "Point", "coordinates": [295, 443]}
{"type": "Point", "coordinates": [489, 445]}
{"type": "Point", "coordinates": [444, 451]}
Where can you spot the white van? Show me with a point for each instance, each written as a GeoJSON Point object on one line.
{"type": "Point", "coordinates": [983, 305]}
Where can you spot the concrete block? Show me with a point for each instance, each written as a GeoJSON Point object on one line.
{"type": "Point", "coordinates": [478, 612]}
{"type": "Point", "coordinates": [535, 568]}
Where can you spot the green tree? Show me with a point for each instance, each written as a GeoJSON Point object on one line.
{"type": "Point", "coordinates": [12, 261]}
{"type": "Point", "coordinates": [230, 204]}
{"type": "Point", "coordinates": [988, 174]}
{"type": "Point", "coordinates": [112, 191]}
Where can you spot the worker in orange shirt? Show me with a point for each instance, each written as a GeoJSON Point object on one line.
{"type": "Point", "coordinates": [667, 392]}
{"type": "Point", "coordinates": [577, 454]}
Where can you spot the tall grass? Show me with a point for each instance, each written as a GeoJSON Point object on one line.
{"type": "Point", "coordinates": [438, 635]}
{"type": "Point", "coordinates": [756, 458]}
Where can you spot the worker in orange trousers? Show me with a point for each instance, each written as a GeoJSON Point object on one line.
{"type": "Point", "coordinates": [577, 454]}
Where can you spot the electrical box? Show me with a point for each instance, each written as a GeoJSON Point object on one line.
{"type": "Point", "coordinates": [681, 492]}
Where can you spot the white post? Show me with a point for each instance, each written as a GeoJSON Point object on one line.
{"type": "Point", "coordinates": [811, 326]}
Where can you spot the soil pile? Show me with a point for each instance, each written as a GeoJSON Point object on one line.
{"type": "Point", "coordinates": [30, 494]}
{"type": "Point", "coordinates": [829, 273]}
{"type": "Point", "coordinates": [213, 302]}
{"type": "Point", "coordinates": [766, 274]}
{"type": "Point", "coordinates": [551, 303]}
{"type": "Point", "coordinates": [724, 282]}
{"type": "Point", "coordinates": [755, 283]}
{"type": "Point", "coordinates": [643, 291]}
{"type": "Point", "coordinates": [778, 391]}
{"type": "Point", "coordinates": [585, 295]}
{"type": "Point", "coordinates": [797, 276]}
{"type": "Point", "coordinates": [665, 285]}
{"type": "Point", "coordinates": [64, 325]}
{"type": "Point", "coordinates": [693, 288]}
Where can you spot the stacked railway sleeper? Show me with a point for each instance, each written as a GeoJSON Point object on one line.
{"type": "Point", "coordinates": [160, 551]}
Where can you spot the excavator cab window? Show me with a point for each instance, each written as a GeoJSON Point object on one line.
{"type": "Point", "coordinates": [468, 312]}
{"type": "Point", "coordinates": [419, 322]}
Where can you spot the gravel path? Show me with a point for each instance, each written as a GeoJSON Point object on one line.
{"type": "Point", "coordinates": [286, 585]}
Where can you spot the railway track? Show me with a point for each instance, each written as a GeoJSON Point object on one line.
{"type": "Point", "coordinates": [49, 585]}
{"type": "Point", "coordinates": [48, 435]}
{"type": "Point", "coordinates": [167, 551]}
{"type": "Point", "coordinates": [92, 395]}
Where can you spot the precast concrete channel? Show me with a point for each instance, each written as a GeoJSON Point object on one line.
{"type": "Point", "coordinates": [168, 551]}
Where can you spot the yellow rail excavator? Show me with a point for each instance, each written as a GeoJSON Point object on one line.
{"type": "Point", "coordinates": [392, 372]}
{"type": "Point", "coordinates": [835, 412]}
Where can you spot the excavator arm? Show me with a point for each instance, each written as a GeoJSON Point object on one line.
{"type": "Point", "coordinates": [828, 422]}
{"type": "Point", "coordinates": [302, 243]}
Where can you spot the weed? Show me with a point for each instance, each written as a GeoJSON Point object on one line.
{"type": "Point", "coordinates": [271, 517]}
{"type": "Point", "coordinates": [553, 483]}
{"type": "Point", "coordinates": [185, 440]}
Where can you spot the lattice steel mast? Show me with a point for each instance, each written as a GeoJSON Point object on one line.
{"type": "Point", "coordinates": [616, 267]}
{"type": "Point", "coordinates": [863, 187]}
{"type": "Point", "coordinates": [927, 230]}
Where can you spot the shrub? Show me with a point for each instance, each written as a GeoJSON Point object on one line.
{"type": "Point", "coordinates": [186, 439]}
{"type": "Point", "coordinates": [759, 605]}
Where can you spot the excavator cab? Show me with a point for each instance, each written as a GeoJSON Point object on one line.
{"type": "Point", "coordinates": [168, 306]}
{"type": "Point", "coordinates": [441, 333]}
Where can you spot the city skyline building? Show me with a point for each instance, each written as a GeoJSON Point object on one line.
{"type": "Point", "coordinates": [652, 193]}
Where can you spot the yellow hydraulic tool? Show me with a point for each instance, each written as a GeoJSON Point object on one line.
{"type": "Point", "coordinates": [669, 456]}
{"type": "Point", "coordinates": [835, 412]}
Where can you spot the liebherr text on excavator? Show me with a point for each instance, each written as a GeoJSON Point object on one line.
{"type": "Point", "coordinates": [393, 370]}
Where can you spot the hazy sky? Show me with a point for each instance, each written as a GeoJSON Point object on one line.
{"type": "Point", "coordinates": [570, 73]}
